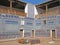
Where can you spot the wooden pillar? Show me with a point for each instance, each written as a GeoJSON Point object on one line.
{"type": "Point", "coordinates": [46, 9]}
{"type": "Point", "coordinates": [10, 6]}
{"type": "Point", "coordinates": [15, 12]}
{"type": "Point", "coordinates": [8, 11]}
{"type": "Point", "coordinates": [4, 11]}
{"type": "Point", "coordinates": [1, 10]}
{"type": "Point", "coordinates": [58, 11]}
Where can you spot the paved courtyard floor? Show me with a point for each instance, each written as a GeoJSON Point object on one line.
{"type": "Point", "coordinates": [15, 42]}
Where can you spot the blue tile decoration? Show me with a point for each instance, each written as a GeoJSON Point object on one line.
{"type": "Point", "coordinates": [10, 25]}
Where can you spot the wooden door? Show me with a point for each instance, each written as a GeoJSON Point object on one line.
{"type": "Point", "coordinates": [53, 33]}
{"type": "Point", "coordinates": [21, 32]}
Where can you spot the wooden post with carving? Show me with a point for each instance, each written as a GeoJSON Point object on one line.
{"type": "Point", "coordinates": [10, 6]}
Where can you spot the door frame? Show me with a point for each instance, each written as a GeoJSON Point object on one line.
{"type": "Point", "coordinates": [22, 32]}
{"type": "Point", "coordinates": [51, 33]}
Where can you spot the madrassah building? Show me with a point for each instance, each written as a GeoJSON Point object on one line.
{"type": "Point", "coordinates": [14, 22]}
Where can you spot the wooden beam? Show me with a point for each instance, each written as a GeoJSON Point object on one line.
{"type": "Point", "coordinates": [46, 3]}
{"type": "Point", "coordinates": [23, 4]}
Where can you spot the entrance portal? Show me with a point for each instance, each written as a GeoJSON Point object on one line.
{"type": "Point", "coordinates": [33, 34]}
{"type": "Point", "coordinates": [21, 33]}
{"type": "Point", "coordinates": [53, 33]}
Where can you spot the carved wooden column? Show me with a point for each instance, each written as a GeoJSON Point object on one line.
{"type": "Point", "coordinates": [10, 6]}
{"type": "Point", "coordinates": [46, 9]}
